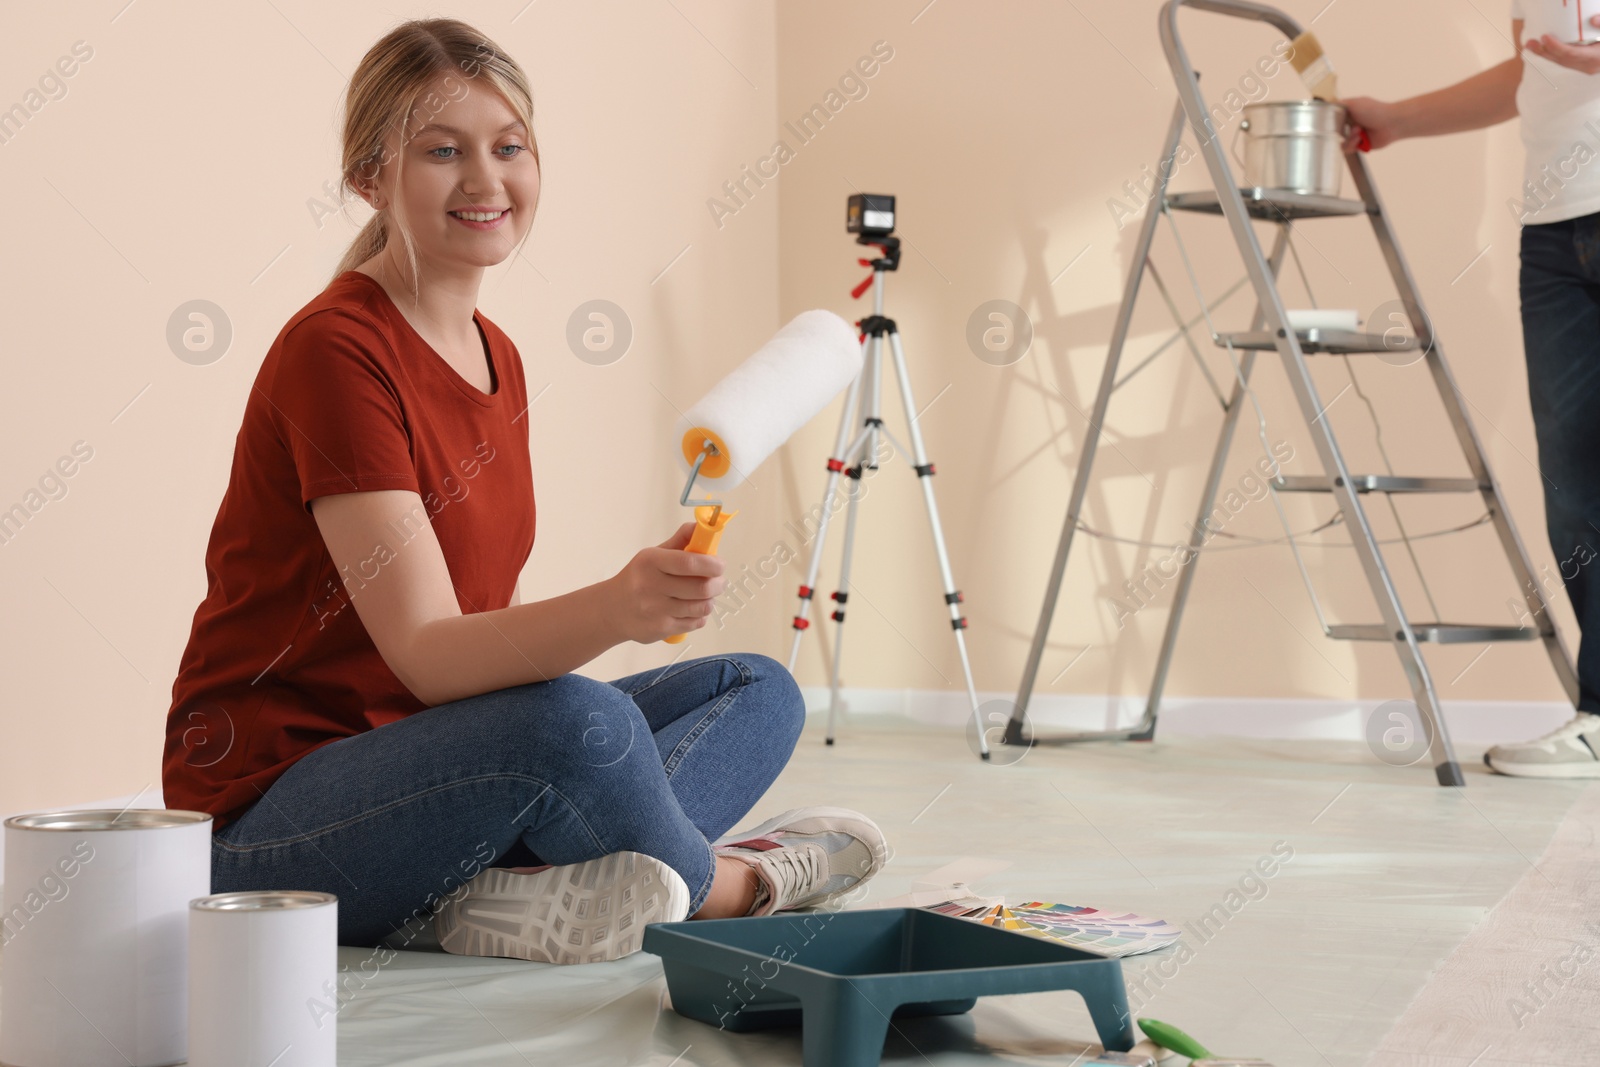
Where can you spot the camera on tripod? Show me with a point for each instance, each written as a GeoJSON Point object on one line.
{"type": "Point", "coordinates": [870, 215]}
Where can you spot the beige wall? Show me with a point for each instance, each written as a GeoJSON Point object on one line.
{"type": "Point", "coordinates": [1004, 129]}
{"type": "Point", "coordinates": [190, 143]}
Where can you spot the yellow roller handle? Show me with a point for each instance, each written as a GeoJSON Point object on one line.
{"type": "Point", "coordinates": [704, 541]}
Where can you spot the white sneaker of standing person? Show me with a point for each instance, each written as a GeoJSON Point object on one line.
{"type": "Point", "coordinates": [808, 857]}
{"type": "Point", "coordinates": [1572, 751]}
{"type": "Point", "coordinates": [585, 912]}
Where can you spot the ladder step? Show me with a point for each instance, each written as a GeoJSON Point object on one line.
{"type": "Point", "coordinates": [1376, 483]}
{"type": "Point", "coordinates": [1331, 342]}
{"type": "Point", "coordinates": [1273, 205]}
{"type": "Point", "coordinates": [1440, 633]}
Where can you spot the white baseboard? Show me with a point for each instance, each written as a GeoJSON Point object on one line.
{"type": "Point", "coordinates": [1471, 722]}
{"type": "Point", "coordinates": [1474, 722]}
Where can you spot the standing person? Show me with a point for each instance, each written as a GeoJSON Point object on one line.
{"type": "Point", "coordinates": [364, 705]}
{"type": "Point", "coordinates": [1558, 98]}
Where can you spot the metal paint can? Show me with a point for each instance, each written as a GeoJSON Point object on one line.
{"type": "Point", "coordinates": [262, 972]}
{"type": "Point", "coordinates": [1294, 145]}
{"type": "Point", "coordinates": [95, 927]}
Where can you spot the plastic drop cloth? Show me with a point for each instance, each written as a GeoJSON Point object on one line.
{"type": "Point", "coordinates": [427, 1008]}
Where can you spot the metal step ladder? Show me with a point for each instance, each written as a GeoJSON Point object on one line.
{"type": "Point", "coordinates": [1270, 333]}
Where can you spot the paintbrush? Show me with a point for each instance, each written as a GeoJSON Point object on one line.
{"type": "Point", "coordinates": [1311, 62]}
{"type": "Point", "coordinates": [1307, 57]}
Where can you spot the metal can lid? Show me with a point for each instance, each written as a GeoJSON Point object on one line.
{"type": "Point", "coordinates": [263, 900]}
{"type": "Point", "coordinates": [107, 819]}
{"type": "Point", "coordinates": [1293, 118]}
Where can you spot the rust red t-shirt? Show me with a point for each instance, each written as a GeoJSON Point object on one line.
{"type": "Point", "coordinates": [349, 398]}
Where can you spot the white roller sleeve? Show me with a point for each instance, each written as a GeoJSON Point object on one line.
{"type": "Point", "coordinates": [775, 392]}
{"type": "Point", "coordinates": [1323, 319]}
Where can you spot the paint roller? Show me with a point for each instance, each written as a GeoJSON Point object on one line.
{"type": "Point", "coordinates": [757, 407]}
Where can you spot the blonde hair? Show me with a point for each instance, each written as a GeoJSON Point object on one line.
{"type": "Point", "coordinates": [384, 93]}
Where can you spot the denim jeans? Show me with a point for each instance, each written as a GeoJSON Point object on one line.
{"type": "Point", "coordinates": [1560, 282]}
{"type": "Point", "coordinates": [393, 820]}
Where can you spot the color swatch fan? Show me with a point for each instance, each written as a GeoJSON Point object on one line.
{"type": "Point", "coordinates": [1111, 934]}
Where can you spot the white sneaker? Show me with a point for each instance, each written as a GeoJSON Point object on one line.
{"type": "Point", "coordinates": [1573, 751]}
{"type": "Point", "coordinates": [808, 857]}
{"type": "Point", "coordinates": [585, 912]}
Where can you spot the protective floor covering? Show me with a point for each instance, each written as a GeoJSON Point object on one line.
{"type": "Point", "coordinates": [1388, 877]}
{"type": "Point", "coordinates": [1528, 977]}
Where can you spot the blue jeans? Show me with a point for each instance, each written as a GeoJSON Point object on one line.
{"type": "Point", "coordinates": [1560, 282]}
{"type": "Point", "coordinates": [393, 820]}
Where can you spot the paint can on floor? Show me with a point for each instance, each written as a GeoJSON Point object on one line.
{"type": "Point", "coordinates": [95, 932]}
{"type": "Point", "coordinates": [262, 973]}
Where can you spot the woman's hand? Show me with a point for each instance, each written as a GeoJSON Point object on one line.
{"type": "Point", "coordinates": [1375, 117]}
{"type": "Point", "coordinates": [665, 590]}
{"type": "Point", "coordinates": [1579, 57]}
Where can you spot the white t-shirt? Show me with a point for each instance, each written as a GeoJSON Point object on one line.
{"type": "Point", "coordinates": [1560, 112]}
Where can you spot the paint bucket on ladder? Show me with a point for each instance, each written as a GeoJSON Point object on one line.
{"type": "Point", "coordinates": [1294, 145]}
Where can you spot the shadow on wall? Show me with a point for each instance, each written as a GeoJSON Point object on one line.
{"type": "Point", "coordinates": [1005, 160]}
{"type": "Point", "coordinates": [1165, 457]}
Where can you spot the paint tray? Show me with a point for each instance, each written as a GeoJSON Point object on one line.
{"type": "Point", "coordinates": [842, 975]}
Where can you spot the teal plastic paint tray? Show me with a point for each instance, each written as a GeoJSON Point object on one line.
{"type": "Point", "coordinates": [841, 975]}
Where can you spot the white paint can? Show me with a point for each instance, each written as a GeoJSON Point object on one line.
{"type": "Point", "coordinates": [262, 973]}
{"type": "Point", "coordinates": [95, 929]}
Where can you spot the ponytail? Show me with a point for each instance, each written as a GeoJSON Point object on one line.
{"type": "Point", "coordinates": [368, 243]}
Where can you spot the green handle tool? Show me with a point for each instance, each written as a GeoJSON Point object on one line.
{"type": "Point", "coordinates": [1170, 1037]}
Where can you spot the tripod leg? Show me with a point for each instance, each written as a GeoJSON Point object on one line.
{"type": "Point", "coordinates": [823, 514]}
{"type": "Point", "coordinates": [925, 472]}
{"type": "Point", "coordinates": [841, 595]}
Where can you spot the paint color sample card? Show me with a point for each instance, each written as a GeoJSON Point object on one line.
{"type": "Point", "coordinates": [1088, 929]}
{"type": "Point", "coordinates": [967, 906]}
